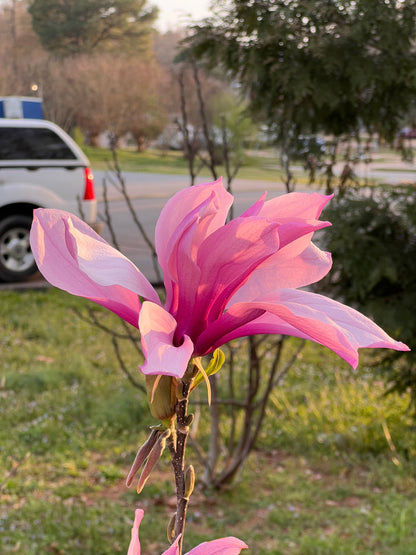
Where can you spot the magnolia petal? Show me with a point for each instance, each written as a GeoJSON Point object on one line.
{"type": "Point", "coordinates": [225, 259]}
{"type": "Point", "coordinates": [295, 235]}
{"type": "Point", "coordinates": [297, 215]}
{"type": "Point", "coordinates": [238, 253]}
{"type": "Point", "coordinates": [183, 271]}
{"type": "Point", "coordinates": [101, 262]}
{"type": "Point", "coordinates": [292, 211]}
{"type": "Point", "coordinates": [255, 208]}
{"type": "Point", "coordinates": [298, 262]}
{"type": "Point", "coordinates": [302, 314]}
{"type": "Point", "coordinates": [229, 256]}
{"type": "Point", "coordinates": [157, 329]}
{"type": "Point", "coordinates": [305, 206]}
{"type": "Point", "coordinates": [174, 548]}
{"type": "Point", "coordinates": [74, 258]}
{"type": "Point", "coordinates": [223, 546]}
{"type": "Point", "coordinates": [210, 201]}
{"type": "Point", "coordinates": [134, 547]}
{"type": "Point", "coordinates": [106, 265]}
{"type": "Point", "coordinates": [282, 271]}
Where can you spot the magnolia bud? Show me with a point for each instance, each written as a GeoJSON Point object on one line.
{"type": "Point", "coordinates": [189, 481]}
{"type": "Point", "coordinates": [179, 390]}
{"type": "Point", "coordinates": [161, 394]}
{"type": "Point", "coordinates": [171, 528]}
{"type": "Point", "coordinates": [189, 419]}
{"type": "Point", "coordinates": [154, 456]}
{"type": "Point", "coordinates": [142, 454]}
{"type": "Point", "coordinates": [190, 373]}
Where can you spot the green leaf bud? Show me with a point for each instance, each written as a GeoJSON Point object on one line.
{"type": "Point", "coordinates": [189, 481]}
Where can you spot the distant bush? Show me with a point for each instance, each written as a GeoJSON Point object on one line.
{"type": "Point", "coordinates": [373, 243]}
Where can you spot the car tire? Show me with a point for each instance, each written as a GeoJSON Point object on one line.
{"type": "Point", "coordinates": [16, 259]}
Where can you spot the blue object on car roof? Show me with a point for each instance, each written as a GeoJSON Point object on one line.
{"type": "Point", "coordinates": [21, 107]}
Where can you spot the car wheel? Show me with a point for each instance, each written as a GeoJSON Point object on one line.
{"type": "Point", "coordinates": [16, 258]}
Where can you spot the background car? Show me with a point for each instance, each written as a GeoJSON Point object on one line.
{"type": "Point", "coordinates": [40, 166]}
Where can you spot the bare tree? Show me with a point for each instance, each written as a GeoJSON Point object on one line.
{"type": "Point", "coordinates": [19, 49]}
{"type": "Point", "coordinates": [106, 93]}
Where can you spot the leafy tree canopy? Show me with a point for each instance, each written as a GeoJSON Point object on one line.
{"type": "Point", "coordinates": [332, 65]}
{"type": "Point", "coordinates": [68, 27]}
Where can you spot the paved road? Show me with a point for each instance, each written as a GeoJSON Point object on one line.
{"type": "Point", "coordinates": [157, 185]}
{"type": "Point", "coordinates": [149, 193]}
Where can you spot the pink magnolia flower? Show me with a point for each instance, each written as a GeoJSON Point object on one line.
{"type": "Point", "coordinates": [222, 280]}
{"type": "Point", "coordinates": [224, 546]}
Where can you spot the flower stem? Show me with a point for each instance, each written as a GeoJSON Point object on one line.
{"type": "Point", "coordinates": [177, 446]}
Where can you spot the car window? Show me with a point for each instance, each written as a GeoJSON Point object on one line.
{"type": "Point", "coordinates": [31, 143]}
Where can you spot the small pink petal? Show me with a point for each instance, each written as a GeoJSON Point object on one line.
{"type": "Point", "coordinates": [134, 547]}
{"type": "Point", "coordinates": [305, 206]}
{"type": "Point", "coordinates": [174, 548]}
{"type": "Point", "coordinates": [157, 329]}
{"type": "Point", "coordinates": [255, 208]}
{"type": "Point", "coordinates": [223, 546]}
{"type": "Point", "coordinates": [230, 255]}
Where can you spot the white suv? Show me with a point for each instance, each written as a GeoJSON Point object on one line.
{"type": "Point", "coordinates": [40, 166]}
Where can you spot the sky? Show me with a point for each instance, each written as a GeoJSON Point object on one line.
{"type": "Point", "coordinates": [175, 13]}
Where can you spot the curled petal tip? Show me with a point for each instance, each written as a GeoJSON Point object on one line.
{"type": "Point", "coordinates": [157, 327]}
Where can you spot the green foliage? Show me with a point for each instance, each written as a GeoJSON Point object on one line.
{"type": "Point", "coordinates": [80, 26]}
{"type": "Point", "coordinates": [309, 65]}
{"type": "Point", "coordinates": [373, 243]}
{"type": "Point", "coordinates": [232, 114]}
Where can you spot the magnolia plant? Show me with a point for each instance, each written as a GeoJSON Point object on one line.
{"type": "Point", "coordinates": [222, 281]}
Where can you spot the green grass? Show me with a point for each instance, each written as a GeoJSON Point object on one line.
{"type": "Point", "coordinates": [130, 160]}
{"type": "Point", "coordinates": [262, 165]}
{"type": "Point", "coordinates": [323, 479]}
{"type": "Point", "coordinates": [398, 170]}
{"type": "Point", "coordinates": [173, 162]}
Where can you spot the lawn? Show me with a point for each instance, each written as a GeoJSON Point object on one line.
{"type": "Point", "coordinates": [333, 472]}
{"type": "Point", "coordinates": [256, 165]}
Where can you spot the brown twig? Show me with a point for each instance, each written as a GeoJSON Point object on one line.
{"type": "Point", "coordinates": [190, 147]}
{"type": "Point", "coordinates": [123, 189]}
{"type": "Point", "coordinates": [124, 367]}
{"type": "Point", "coordinates": [204, 120]}
{"type": "Point", "coordinates": [177, 446]}
{"type": "Point", "coordinates": [108, 219]}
